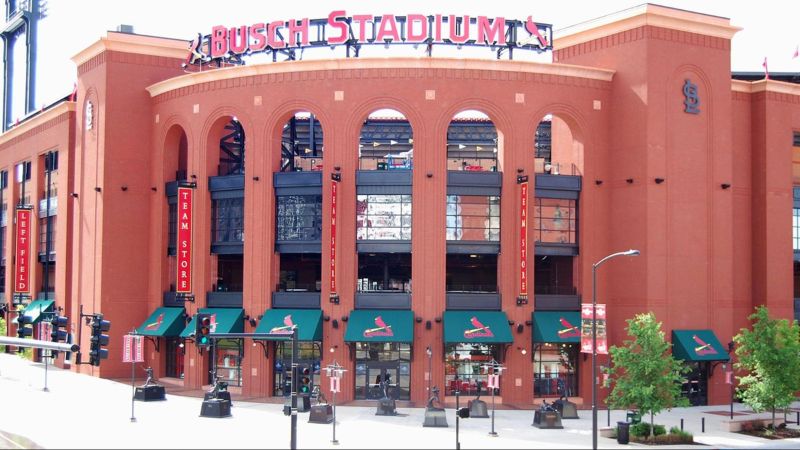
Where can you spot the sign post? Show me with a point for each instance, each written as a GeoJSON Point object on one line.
{"type": "Point", "coordinates": [493, 370]}
{"type": "Point", "coordinates": [335, 372]}
{"type": "Point", "coordinates": [44, 331]}
{"type": "Point", "coordinates": [133, 352]}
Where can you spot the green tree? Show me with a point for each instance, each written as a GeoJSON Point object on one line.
{"type": "Point", "coordinates": [643, 373]}
{"type": "Point", "coordinates": [2, 333]}
{"type": "Point", "coordinates": [770, 357]}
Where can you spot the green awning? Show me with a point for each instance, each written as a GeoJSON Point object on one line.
{"type": "Point", "coordinates": [380, 325]}
{"type": "Point", "coordinates": [697, 345]}
{"type": "Point", "coordinates": [34, 311]}
{"type": "Point", "coordinates": [164, 322]}
{"type": "Point", "coordinates": [476, 326]}
{"type": "Point", "coordinates": [307, 321]}
{"type": "Point", "coordinates": [223, 320]}
{"type": "Point", "coordinates": [557, 326]}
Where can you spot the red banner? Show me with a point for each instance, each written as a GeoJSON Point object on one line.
{"type": "Point", "coordinates": [184, 250]}
{"type": "Point", "coordinates": [22, 261]}
{"type": "Point", "coordinates": [586, 328]}
{"type": "Point", "coordinates": [523, 242]}
{"type": "Point", "coordinates": [334, 206]}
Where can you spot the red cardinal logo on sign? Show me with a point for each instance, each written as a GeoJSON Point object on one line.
{"type": "Point", "coordinates": [286, 328]}
{"type": "Point", "coordinates": [213, 327]}
{"type": "Point", "coordinates": [157, 324]}
{"type": "Point", "coordinates": [703, 348]}
{"type": "Point", "coordinates": [533, 29]}
{"type": "Point", "coordinates": [381, 330]}
{"type": "Point", "coordinates": [480, 330]}
{"type": "Point", "coordinates": [569, 330]}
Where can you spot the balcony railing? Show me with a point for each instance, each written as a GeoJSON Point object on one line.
{"type": "Point", "coordinates": [548, 289]}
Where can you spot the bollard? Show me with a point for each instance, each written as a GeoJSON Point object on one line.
{"type": "Point", "coordinates": [798, 418]}
{"type": "Point", "coordinates": [703, 425]}
{"type": "Point", "coordinates": [608, 417]}
{"type": "Point", "coordinates": [681, 424]}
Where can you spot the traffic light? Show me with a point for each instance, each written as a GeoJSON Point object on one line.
{"type": "Point", "coordinates": [24, 326]}
{"type": "Point", "coordinates": [98, 340]}
{"type": "Point", "coordinates": [305, 380]}
{"type": "Point", "coordinates": [56, 333]}
{"type": "Point", "coordinates": [203, 329]}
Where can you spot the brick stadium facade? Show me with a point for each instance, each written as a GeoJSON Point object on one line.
{"type": "Point", "coordinates": [653, 146]}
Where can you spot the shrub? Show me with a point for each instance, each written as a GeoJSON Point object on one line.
{"type": "Point", "coordinates": [674, 430]}
{"type": "Point", "coordinates": [642, 429]}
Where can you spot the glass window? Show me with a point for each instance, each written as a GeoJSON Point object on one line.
{"type": "Point", "coordinates": [796, 228]}
{"type": "Point", "coordinates": [473, 218]}
{"type": "Point", "coordinates": [299, 218]}
{"type": "Point", "coordinates": [309, 354]}
{"type": "Point", "coordinates": [46, 233]}
{"type": "Point", "coordinates": [383, 361]}
{"type": "Point", "coordinates": [227, 220]}
{"type": "Point", "coordinates": [471, 273]}
{"type": "Point", "coordinates": [384, 272]}
{"type": "Point", "coordinates": [300, 272]}
{"type": "Point", "coordinates": [228, 359]}
{"type": "Point", "coordinates": [383, 217]}
{"type": "Point", "coordinates": [230, 273]}
{"type": "Point", "coordinates": [463, 367]}
{"type": "Point", "coordinates": [172, 228]}
{"type": "Point", "coordinates": [554, 370]}
{"type": "Point", "coordinates": [174, 354]}
{"type": "Point", "coordinates": [555, 221]}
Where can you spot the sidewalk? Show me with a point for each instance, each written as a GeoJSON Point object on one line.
{"type": "Point", "coordinates": [86, 412]}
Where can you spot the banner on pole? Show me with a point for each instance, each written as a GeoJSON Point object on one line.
{"type": "Point", "coordinates": [335, 386]}
{"type": "Point", "coordinates": [132, 348]}
{"type": "Point", "coordinates": [586, 328]}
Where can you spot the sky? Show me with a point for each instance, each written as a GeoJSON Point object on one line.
{"type": "Point", "coordinates": [769, 27]}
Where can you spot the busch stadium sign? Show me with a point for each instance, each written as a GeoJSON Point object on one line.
{"type": "Point", "coordinates": [284, 37]}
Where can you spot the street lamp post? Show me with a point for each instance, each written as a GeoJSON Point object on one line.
{"type": "Point", "coordinates": [594, 337]}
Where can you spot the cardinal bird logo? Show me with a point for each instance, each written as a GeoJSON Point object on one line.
{"type": "Point", "coordinates": [703, 348]}
{"type": "Point", "coordinates": [569, 330]}
{"type": "Point", "coordinates": [479, 331]}
{"type": "Point", "coordinates": [287, 327]}
{"type": "Point", "coordinates": [533, 29]}
{"type": "Point", "coordinates": [157, 324]}
{"type": "Point", "coordinates": [381, 330]}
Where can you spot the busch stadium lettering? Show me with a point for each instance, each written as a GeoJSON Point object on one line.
{"type": "Point", "coordinates": [229, 44]}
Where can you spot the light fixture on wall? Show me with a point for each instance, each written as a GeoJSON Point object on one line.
{"type": "Point", "coordinates": [659, 180]}
{"type": "Point", "coordinates": [598, 182]}
{"type": "Point", "coordinates": [629, 181]}
{"type": "Point", "coordinates": [523, 350]}
{"type": "Point", "coordinates": [73, 194]}
{"type": "Point", "coordinates": [725, 185]}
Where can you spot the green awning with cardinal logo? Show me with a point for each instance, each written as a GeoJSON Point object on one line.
{"type": "Point", "coordinates": [380, 325]}
{"type": "Point", "coordinates": [223, 320]}
{"type": "Point", "coordinates": [557, 327]}
{"type": "Point", "coordinates": [164, 322]}
{"type": "Point", "coordinates": [280, 322]}
{"type": "Point", "coordinates": [476, 326]}
{"type": "Point", "coordinates": [697, 345]}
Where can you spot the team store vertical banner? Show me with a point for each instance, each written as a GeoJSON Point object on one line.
{"type": "Point", "coordinates": [586, 328]}
{"type": "Point", "coordinates": [184, 250]}
{"type": "Point", "coordinates": [523, 243]}
{"type": "Point", "coordinates": [334, 206]}
{"type": "Point", "coordinates": [22, 261]}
